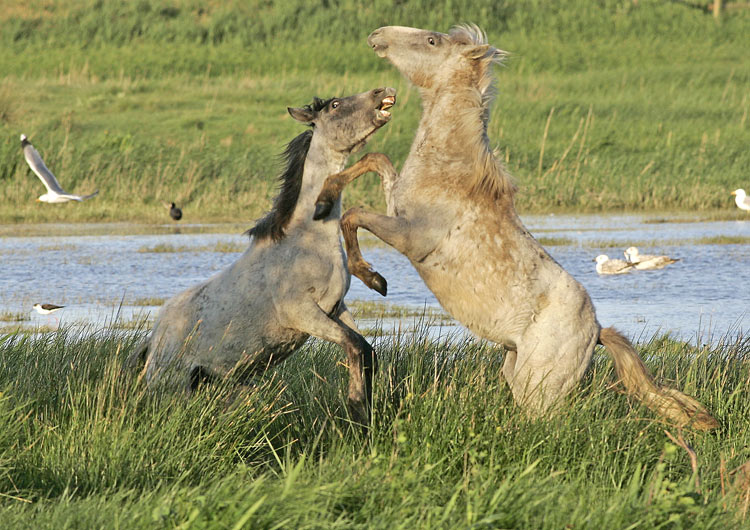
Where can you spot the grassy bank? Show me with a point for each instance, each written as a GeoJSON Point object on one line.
{"type": "Point", "coordinates": [82, 444]}
{"type": "Point", "coordinates": [602, 107]}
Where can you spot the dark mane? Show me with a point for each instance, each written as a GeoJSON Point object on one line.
{"type": "Point", "coordinates": [274, 222]}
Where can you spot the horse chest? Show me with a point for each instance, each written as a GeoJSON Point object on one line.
{"type": "Point", "coordinates": [321, 273]}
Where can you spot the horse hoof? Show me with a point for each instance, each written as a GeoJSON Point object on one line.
{"type": "Point", "coordinates": [379, 284]}
{"type": "Point", "coordinates": [322, 210]}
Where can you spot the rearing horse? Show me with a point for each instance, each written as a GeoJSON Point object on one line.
{"type": "Point", "coordinates": [291, 281]}
{"type": "Point", "coordinates": [451, 212]}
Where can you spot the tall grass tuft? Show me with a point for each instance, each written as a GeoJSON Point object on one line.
{"type": "Point", "coordinates": [84, 444]}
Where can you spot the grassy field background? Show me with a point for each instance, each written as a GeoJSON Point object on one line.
{"type": "Point", "coordinates": [84, 445]}
{"type": "Point", "coordinates": [645, 106]}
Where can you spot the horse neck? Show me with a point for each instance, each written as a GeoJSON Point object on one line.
{"type": "Point", "coordinates": [451, 150]}
{"type": "Point", "coordinates": [320, 163]}
{"type": "Point", "coordinates": [453, 121]}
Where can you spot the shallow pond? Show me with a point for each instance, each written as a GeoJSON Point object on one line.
{"type": "Point", "coordinates": [102, 274]}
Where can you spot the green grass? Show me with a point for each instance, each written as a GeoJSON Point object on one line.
{"type": "Point", "coordinates": [555, 241]}
{"type": "Point", "coordinates": [218, 247]}
{"type": "Point", "coordinates": [13, 316]}
{"type": "Point", "coordinates": [372, 309]}
{"type": "Point", "coordinates": [724, 240]}
{"type": "Point", "coordinates": [605, 106]}
{"type": "Point", "coordinates": [148, 301]}
{"type": "Point", "coordinates": [84, 445]}
{"type": "Point", "coordinates": [613, 243]}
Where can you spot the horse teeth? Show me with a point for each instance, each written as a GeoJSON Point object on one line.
{"type": "Point", "coordinates": [384, 113]}
{"type": "Point", "coordinates": [388, 102]}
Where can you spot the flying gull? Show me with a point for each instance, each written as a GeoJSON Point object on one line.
{"type": "Point", "coordinates": [644, 262]}
{"type": "Point", "coordinates": [604, 265]}
{"type": "Point", "coordinates": [55, 193]}
{"type": "Point", "coordinates": [741, 199]}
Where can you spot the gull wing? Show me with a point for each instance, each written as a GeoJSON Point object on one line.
{"type": "Point", "coordinates": [79, 198]}
{"type": "Point", "coordinates": [37, 165]}
{"type": "Point", "coordinates": [617, 266]}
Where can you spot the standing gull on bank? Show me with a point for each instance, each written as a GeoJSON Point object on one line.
{"type": "Point", "coordinates": [604, 265]}
{"type": "Point", "coordinates": [55, 193]}
{"type": "Point", "coordinates": [741, 199]}
{"type": "Point", "coordinates": [647, 261]}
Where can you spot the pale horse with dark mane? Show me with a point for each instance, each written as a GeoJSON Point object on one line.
{"type": "Point", "coordinates": [291, 281]}
{"type": "Point", "coordinates": [451, 212]}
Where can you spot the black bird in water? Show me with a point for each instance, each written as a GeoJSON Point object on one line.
{"type": "Point", "coordinates": [174, 212]}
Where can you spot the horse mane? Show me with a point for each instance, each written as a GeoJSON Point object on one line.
{"type": "Point", "coordinates": [491, 177]}
{"type": "Point", "coordinates": [273, 224]}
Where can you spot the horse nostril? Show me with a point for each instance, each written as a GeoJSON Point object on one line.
{"type": "Point", "coordinates": [377, 91]}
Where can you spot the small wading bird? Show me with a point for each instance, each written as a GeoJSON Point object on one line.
{"type": "Point", "coordinates": [604, 265]}
{"type": "Point", "coordinates": [741, 199]}
{"type": "Point", "coordinates": [174, 212]}
{"type": "Point", "coordinates": [644, 262]}
{"type": "Point", "coordinates": [48, 309]}
{"type": "Point", "coordinates": [55, 193]}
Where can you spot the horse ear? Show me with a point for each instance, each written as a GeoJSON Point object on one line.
{"type": "Point", "coordinates": [477, 51]}
{"type": "Point", "coordinates": [301, 114]}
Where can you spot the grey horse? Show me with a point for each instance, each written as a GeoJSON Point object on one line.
{"type": "Point", "coordinates": [451, 212]}
{"type": "Point", "coordinates": [291, 281]}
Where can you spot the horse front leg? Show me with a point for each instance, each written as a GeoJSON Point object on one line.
{"type": "Point", "coordinates": [335, 184]}
{"type": "Point", "coordinates": [309, 318]}
{"type": "Point", "coordinates": [361, 370]}
{"type": "Point", "coordinates": [397, 231]}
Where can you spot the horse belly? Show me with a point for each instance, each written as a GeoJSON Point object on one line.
{"type": "Point", "coordinates": [272, 346]}
{"type": "Point", "coordinates": [473, 293]}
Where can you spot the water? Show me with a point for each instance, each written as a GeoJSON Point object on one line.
{"type": "Point", "coordinates": [102, 276]}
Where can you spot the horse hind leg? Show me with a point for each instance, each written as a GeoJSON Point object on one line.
{"type": "Point", "coordinates": [509, 364]}
{"type": "Point", "coordinates": [199, 376]}
{"type": "Point", "coordinates": [544, 374]}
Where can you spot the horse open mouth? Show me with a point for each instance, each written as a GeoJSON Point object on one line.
{"type": "Point", "coordinates": [386, 104]}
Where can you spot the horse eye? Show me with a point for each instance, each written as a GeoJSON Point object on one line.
{"type": "Point", "coordinates": [431, 41]}
{"type": "Point", "coordinates": [335, 104]}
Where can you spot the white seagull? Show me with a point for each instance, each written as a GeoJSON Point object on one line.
{"type": "Point", "coordinates": [604, 265]}
{"type": "Point", "coordinates": [741, 199]}
{"type": "Point", "coordinates": [647, 261]}
{"type": "Point", "coordinates": [55, 193]}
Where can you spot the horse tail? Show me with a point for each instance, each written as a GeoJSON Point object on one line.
{"type": "Point", "coordinates": [668, 402]}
